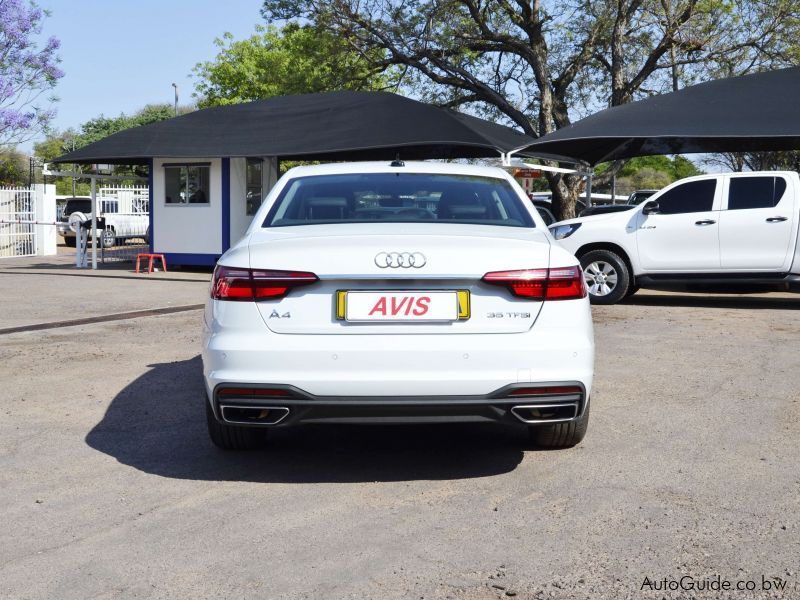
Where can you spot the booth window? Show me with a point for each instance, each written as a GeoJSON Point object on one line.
{"type": "Point", "coordinates": [187, 183]}
{"type": "Point", "coordinates": [254, 185]}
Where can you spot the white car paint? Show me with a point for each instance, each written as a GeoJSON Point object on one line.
{"type": "Point", "coordinates": [709, 244]}
{"type": "Point", "coordinates": [298, 341]}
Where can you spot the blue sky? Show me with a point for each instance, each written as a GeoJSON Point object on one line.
{"type": "Point", "coordinates": [119, 55]}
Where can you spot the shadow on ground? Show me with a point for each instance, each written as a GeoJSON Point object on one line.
{"type": "Point", "coordinates": [716, 301]}
{"type": "Point", "coordinates": [157, 425]}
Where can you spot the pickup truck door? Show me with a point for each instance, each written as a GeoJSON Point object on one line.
{"type": "Point", "coordinates": [684, 234]}
{"type": "Point", "coordinates": [759, 224]}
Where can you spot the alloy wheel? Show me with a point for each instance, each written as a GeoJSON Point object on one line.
{"type": "Point", "coordinates": [601, 278]}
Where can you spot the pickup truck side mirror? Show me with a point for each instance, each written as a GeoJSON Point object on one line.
{"type": "Point", "coordinates": [651, 208]}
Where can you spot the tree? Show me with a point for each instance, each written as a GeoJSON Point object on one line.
{"type": "Point", "coordinates": [292, 60]}
{"type": "Point", "coordinates": [13, 168]}
{"type": "Point", "coordinates": [756, 161]}
{"type": "Point", "coordinates": [102, 126]}
{"type": "Point", "coordinates": [539, 64]}
{"type": "Point", "coordinates": [27, 72]}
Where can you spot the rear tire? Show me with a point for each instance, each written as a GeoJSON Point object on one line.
{"type": "Point", "coordinates": [71, 241]}
{"type": "Point", "coordinates": [607, 276]}
{"type": "Point", "coordinates": [231, 437]}
{"type": "Point", "coordinates": [108, 238]}
{"type": "Point", "coordinates": [559, 435]}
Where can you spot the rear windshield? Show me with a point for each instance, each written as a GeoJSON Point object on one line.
{"type": "Point", "coordinates": [398, 198]}
{"type": "Point", "coordinates": [78, 205]}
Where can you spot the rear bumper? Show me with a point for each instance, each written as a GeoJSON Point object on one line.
{"type": "Point", "coordinates": [551, 406]}
{"type": "Point", "coordinates": [241, 350]}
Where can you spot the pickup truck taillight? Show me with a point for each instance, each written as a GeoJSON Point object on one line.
{"type": "Point", "coordinates": [248, 285]}
{"type": "Point", "coordinates": [564, 283]}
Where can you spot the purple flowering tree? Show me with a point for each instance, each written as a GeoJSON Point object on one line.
{"type": "Point", "coordinates": [28, 71]}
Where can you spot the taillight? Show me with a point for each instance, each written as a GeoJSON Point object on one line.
{"type": "Point", "coordinates": [231, 283]}
{"type": "Point", "coordinates": [565, 283]}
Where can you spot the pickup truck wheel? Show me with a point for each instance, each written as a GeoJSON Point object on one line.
{"type": "Point", "coordinates": [108, 238]}
{"type": "Point", "coordinates": [607, 276]}
{"type": "Point", "coordinates": [231, 437]}
{"type": "Point", "coordinates": [71, 241]}
{"type": "Point", "coordinates": [559, 435]}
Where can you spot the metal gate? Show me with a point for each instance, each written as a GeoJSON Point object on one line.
{"type": "Point", "coordinates": [17, 239]}
{"type": "Point", "coordinates": [125, 214]}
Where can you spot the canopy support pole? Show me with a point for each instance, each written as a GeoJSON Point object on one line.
{"type": "Point", "coordinates": [94, 223]}
{"type": "Point", "coordinates": [614, 189]}
{"type": "Point", "coordinates": [589, 177]}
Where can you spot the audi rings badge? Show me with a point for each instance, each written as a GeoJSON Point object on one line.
{"type": "Point", "coordinates": [400, 260]}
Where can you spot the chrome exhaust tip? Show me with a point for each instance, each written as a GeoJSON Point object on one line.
{"type": "Point", "coordinates": [247, 414]}
{"type": "Point", "coordinates": [545, 413]}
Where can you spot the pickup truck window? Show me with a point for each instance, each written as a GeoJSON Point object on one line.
{"type": "Point", "coordinates": [693, 196]}
{"type": "Point", "coordinates": [755, 192]}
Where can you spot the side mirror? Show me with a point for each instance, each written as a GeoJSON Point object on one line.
{"type": "Point", "coordinates": [651, 208]}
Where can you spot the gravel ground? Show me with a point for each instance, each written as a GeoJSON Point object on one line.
{"type": "Point", "coordinates": [110, 487]}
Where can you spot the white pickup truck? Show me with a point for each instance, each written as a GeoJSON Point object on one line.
{"type": "Point", "coordinates": [729, 231]}
{"type": "Point", "coordinates": [124, 219]}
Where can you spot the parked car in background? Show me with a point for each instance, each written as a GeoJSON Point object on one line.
{"type": "Point", "coordinates": [730, 231]}
{"type": "Point", "coordinates": [602, 209]}
{"type": "Point", "coordinates": [79, 204]}
{"type": "Point", "coordinates": [120, 223]}
{"type": "Point", "coordinates": [354, 298]}
{"type": "Point", "coordinates": [639, 196]}
{"type": "Point", "coordinates": [543, 208]}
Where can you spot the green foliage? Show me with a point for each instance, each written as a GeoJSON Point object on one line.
{"type": "Point", "coordinates": [102, 126]}
{"type": "Point", "coordinates": [272, 62]}
{"type": "Point", "coordinates": [13, 168]}
{"type": "Point", "coordinates": [651, 172]}
{"type": "Point", "coordinates": [674, 168]}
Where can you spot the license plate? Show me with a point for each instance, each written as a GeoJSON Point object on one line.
{"type": "Point", "coordinates": [403, 306]}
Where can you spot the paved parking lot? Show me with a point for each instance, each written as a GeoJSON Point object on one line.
{"type": "Point", "coordinates": [110, 487]}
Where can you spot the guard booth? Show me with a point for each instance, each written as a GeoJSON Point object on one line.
{"type": "Point", "coordinates": [200, 206]}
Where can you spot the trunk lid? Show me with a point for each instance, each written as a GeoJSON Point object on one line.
{"type": "Point", "coordinates": [343, 256]}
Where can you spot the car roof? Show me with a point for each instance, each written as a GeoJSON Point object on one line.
{"type": "Point", "coordinates": [408, 167]}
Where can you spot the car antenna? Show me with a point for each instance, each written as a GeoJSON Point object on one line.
{"type": "Point", "coordinates": [397, 162]}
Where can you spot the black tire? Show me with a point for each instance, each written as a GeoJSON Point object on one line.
{"type": "Point", "coordinates": [599, 266]}
{"type": "Point", "coordinates": [71, 241]}
{"type": "Point", "coordinates": [559, 435]}
{"type": "Point", "coordinates": [632, 289]}
{"type": "Point", "coordinates": [231, 437]}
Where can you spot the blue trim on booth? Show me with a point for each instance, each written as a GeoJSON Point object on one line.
{"type": "Point", "coordinates": [226, 204]}
{"type": "Point", "coordinates": [150, 206]}
{"type": "Point", "coordinates": [189, 259]}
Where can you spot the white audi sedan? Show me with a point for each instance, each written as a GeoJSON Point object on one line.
{"type": "Point", "coordinates": [397, 293]}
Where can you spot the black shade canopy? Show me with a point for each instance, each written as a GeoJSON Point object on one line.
{"type": "Point", "coordinates": [331, 126]}
{"type": "Point", "coordinates": [748, 113]}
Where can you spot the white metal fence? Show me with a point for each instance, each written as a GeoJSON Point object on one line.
{"type": "Point", "coordinates": [17, 239]}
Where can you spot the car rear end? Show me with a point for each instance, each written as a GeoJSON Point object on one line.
{"type": "Point", "coordinates": [404, 294]}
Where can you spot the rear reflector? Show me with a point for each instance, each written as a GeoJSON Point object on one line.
{"type": "Point", "coordinates": [240, 392]}
{"type": "Point", "coordinates": [557, 390]}
{"type": "Point", "coordinates": [565, 283]}
{"type": "Point", "coordinates": [230, 283]}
